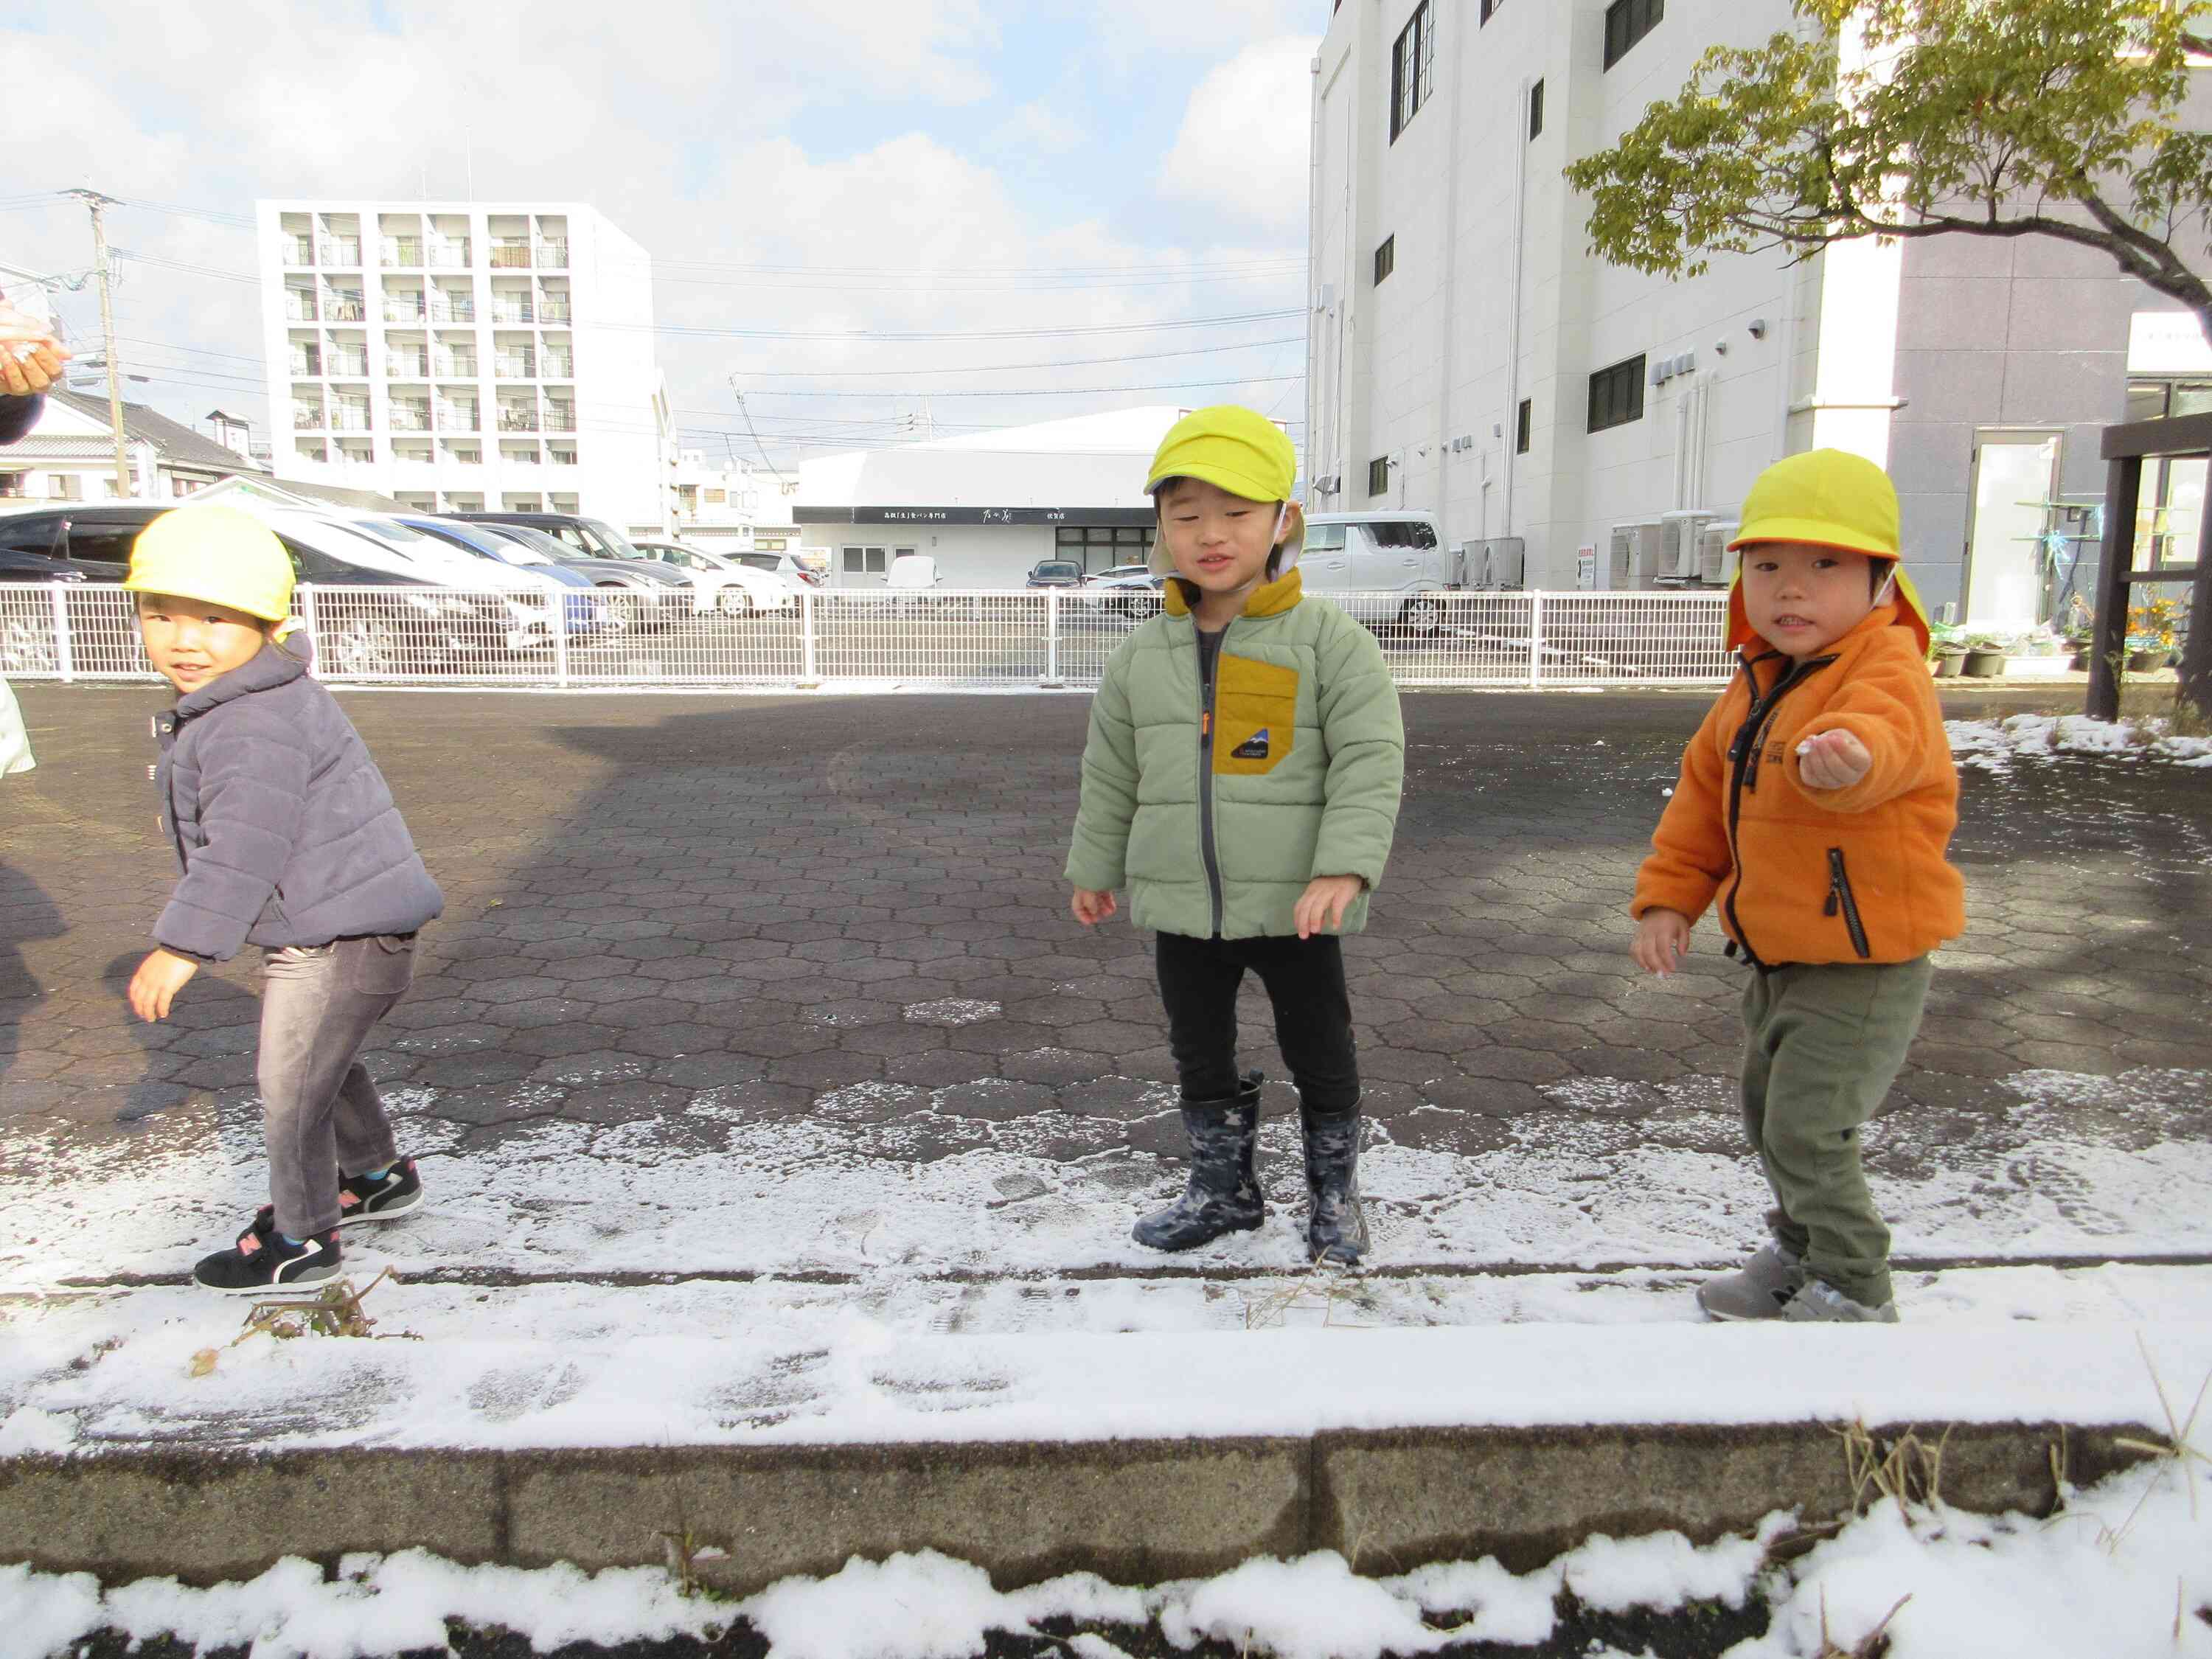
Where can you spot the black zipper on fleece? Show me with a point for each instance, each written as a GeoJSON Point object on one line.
{"type": "Point", "coordinates": [1743, 772]}
{"type": "Point", "coordinates": [1840, 897]}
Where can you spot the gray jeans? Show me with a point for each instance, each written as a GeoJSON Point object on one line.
{"type": "Point", "coordinates": [319, 1111]}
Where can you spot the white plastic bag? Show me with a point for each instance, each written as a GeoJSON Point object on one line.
{"type": "Point", "coordinates": [14, 741]}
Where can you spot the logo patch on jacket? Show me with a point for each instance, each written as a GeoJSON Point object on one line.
{"type": "Point", "coordinates": [1253, 748]}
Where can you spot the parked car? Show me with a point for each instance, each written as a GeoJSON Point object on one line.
{"type": "Point", "coordinates": [719, 583]}
{"type": "Point", "coordinates": [407, 625]}
{"type": "Point", "coordinates": [1131, 590]}
{"type": "Point", "coordinates": [1383, 567]}
{"type": "Point", "coordinates": [812, 568]}
{"type": "Point", "coordinates": [636, 593]}
{"type": "Point", "coordinates": [912, 573]}
{"type": "Point", "coordinates": [592, 538]}
{"type": "Point", "coordinates": [582, 610]}
{"type": "Point", "coordinates": [1054, 573]}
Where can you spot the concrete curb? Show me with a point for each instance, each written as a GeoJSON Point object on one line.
{"type": "Point", "coordinates": [1135, 1511]}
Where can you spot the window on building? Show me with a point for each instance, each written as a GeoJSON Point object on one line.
{"type": "Point", "coordinates": [1627, 21]}
{"type": "Point", "coordinates": [1378, 475]}
{"type": "Point", "coordinates": [64, 487]}
{"type": "Point", "coordinates": [1523, 420]}
{"type": "Point", "coordinates": [1616, 394]}
{"type": "Point", "coordinates": [11, 485]}
{"type": "Point", "coordinates": [1413, 67]}
{"type": "Point", "coordinates": [1386, 257]}
{"type": "Point", "coordinates": [865, 561]}
{"type": "Point", "coordinates": [1490, 8]}
{"type": "Point", "coordinates": [1536, 111]}
{"type": "Point", "coordinates": [1099, 547]}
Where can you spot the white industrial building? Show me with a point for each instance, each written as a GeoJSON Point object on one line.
{"type": "Point", "coordinates": [465, 356]}
{"type": "Point", "coordinates": [1583, 422]}
{"type": "Point", "coordinates": [990, 506]}
{"type": "Point", "coordinates": [728, 507]}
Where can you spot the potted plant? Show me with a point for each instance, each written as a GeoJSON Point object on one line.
{"type": "Point", "coordinates": [1944, 651]}
{"type": "Point", "coordinates": [2081, 643]}
{"type": "Point", "coordinates": [2150, 635]}
{"type": "Point", "coordinates": [1984, 658]}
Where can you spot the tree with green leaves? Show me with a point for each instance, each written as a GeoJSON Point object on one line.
{"type": "Point", "coordinates": [1927, 118]}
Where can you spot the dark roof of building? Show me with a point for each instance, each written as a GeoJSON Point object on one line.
{"type": "Point", "coordinates": [177, 444]}
{"type": "Point", "coordinates": [368, 500]}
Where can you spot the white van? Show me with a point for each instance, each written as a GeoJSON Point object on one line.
{"type": "Point", "coordinates": [1383, 567]}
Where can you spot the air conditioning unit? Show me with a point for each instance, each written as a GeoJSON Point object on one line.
{"type": "Point", "coordinates": [1679, 546]}
{"type": "Point", "coordinates": [1713, 554]}
{"type": "Point", "coordinates": [1503, 562]}
{"type": "Point", "coordinates": [1635, 555]}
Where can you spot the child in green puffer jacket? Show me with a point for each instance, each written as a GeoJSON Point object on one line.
{"type": "Point", "coordinates": [1242, 776]}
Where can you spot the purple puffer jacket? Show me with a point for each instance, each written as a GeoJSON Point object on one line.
{"type": "Point", "coordinates": [286, 829]}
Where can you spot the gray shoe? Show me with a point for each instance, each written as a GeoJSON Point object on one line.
{"type": "Point", "coordinates": [1818, 1302]}
{"type": "Point", "coordinates": [1758, 1289]}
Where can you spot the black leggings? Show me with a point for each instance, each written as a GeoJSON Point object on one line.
{"type": "Point", "coordinates": [1304, 982]}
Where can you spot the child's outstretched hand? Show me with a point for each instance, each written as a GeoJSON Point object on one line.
{"type": "Point", "coordinates": [1833, 760]}
{"type": "Point", "coordinates": [1662, 939]}
{"type": "Point", "coordinates": [1320, 908]}
{"type": "Point", "coordinates": [157, 982]}
{"type": "Point", "coordinates": [1091, 906]}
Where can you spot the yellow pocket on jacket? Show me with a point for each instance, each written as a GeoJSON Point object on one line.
{"type": "Point", "coordinates": [1255, 709]}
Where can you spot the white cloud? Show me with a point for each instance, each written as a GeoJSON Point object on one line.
{"type": "Point", "coordinates": [1244, 147]}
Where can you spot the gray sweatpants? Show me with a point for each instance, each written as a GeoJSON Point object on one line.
{"type": "Point", "coordinates": [1823, 1043]}
{"type": "Point", "coordinates": [320, 1110]}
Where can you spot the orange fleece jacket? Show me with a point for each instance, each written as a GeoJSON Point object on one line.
{"type": "Point", "coordinates": [1806, 875]}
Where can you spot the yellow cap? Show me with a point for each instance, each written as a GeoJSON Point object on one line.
{"type": "Point", "coordinates": [1242, 452]}
{"type": "Point", "coordinates": [1825, 497]}
{"type": "Point", "coordinates": [220, 554]}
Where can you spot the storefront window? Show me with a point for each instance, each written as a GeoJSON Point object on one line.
{"type": "Point", "coordinates": [2171, 510]}
{"type": "Point", "coordinates": [1100, 547]}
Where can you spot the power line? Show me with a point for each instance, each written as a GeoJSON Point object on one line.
{"type": "Point", "coordinates": [1049, 392]}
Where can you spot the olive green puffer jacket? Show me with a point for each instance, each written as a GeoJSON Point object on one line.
{"type": "Point", "coordinates": [1217, 819]}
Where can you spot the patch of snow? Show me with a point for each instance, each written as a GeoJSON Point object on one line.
{"type": "Point", "coordinates": [1991, 744]}
{"type": "Point", "coordinates": [953, 1010]}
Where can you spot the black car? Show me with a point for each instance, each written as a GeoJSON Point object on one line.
{"type": "Point", "coordinates": [1055, 573]}
{"type": "Point", "coordinates": [414, 624]}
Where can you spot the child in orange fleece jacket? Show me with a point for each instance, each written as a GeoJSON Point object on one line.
{"type": "Point", "coordinates": [1816, 805]}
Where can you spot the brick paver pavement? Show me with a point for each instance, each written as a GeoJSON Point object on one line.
{"type": "Point", "coordinates": [852, 908]}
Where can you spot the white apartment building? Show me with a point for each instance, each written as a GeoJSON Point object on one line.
{"type": "Point", "coordinates": [465, 356]}
{"type": "Point", "coordinates": [728, 505]}
{"type": "Point", "coordinates": [1582, 422]}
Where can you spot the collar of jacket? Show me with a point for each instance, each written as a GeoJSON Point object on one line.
{"type": "Point", "coordinates": [1268, 600]}
{"type": "Point", "coordinates": [1756, 648]}
{"type": "Point", "coordinates": [271, 666]}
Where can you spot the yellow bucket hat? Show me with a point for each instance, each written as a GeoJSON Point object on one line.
{"type": "Point", "coordinates": [1825, 498]}
{"type": "Point", "coordinates": [221, 555]}
{"type": "Point", "coordinates": [1241, 450]}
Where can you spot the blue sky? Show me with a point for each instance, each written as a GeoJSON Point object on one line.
{"type": "Point", "coordinates": [933, 137]}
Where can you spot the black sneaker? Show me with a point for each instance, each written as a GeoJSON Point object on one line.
{"type": "Point", "coordinates": [386, 1197]}
{"type": "Point", "coordinates": [263, 1260]}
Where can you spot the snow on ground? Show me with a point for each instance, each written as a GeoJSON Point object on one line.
{"type": "Point", "coordinates": [1991, 745]}
{"type": "Point", "coordinates": [2121, 1573]}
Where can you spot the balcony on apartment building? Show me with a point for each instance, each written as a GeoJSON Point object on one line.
{"type": "Point", "coordinates": [518, 417]}
{"type": "Point", "coordinates": [307, 417]}
{"type": "Point", "coordinates": [553, 253]}
{"type": "Point", "coordinates": [554, 308]}
{"type": "Point", "coordinates": [307, 361]}
{"type": "Point", "coordinates": [515, 366]}
{"type": "Point", "coordinates": [557, 363]}
{"type": "Point", "coordinates": [456, 417]}
{"type": "Point", "coordinates": [348, 418]}
{"type": "Point", "coordinates": [519, 455]}
{"type": "Point", "coordinates": [407, 363]}
{"type": "Point", "coordinates": [339, 250]}
{"type": "Point", "coordinates": [407, 415]}
{"type": "Point", "coordinates": [300, 305]}
{"type": "Point", "coordinates": [297, 249]}
{"type": "Point", "coordinates": [405, 307]}
{"type": "Point", "coordinates": [346, 363]}
{"type": "Point", "coordinates": [510, 253]}
{"type": "Point", "coordinates": [449, 253]}
{"type": "Point", "coordinates": [345, 305]}
{"type": "Point", "coordinates": [507, 309]}
{"type": "Point", "coordinates": [561, 455]}
{"type": "Point", "coordinates": [453, 308]}
{"type": "Point", "coordinates": [401, 251]}
{"type": "Point", "coordinates": [457, 365]}
{"type": "Point", "coordinates": [559, 417]}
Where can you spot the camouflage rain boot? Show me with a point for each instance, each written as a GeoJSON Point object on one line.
{"type": "Point", "coordinates": [1336, 1226]}
{"type": "Point", "coordinates": [1223, 1196]}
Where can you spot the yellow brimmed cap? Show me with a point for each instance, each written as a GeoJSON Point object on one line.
{"type": "Point", "coordinates": [219, 554]}
{"type": "Point", "coordinates": [1825, 497]}
{"type": "Point", "coordinates": [1241, 450]}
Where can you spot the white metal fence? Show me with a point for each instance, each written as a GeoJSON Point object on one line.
{"type": "Point", "coordinates": [834, 640]}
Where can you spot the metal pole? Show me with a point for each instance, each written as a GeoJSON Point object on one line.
{"type": "Point", "coordinates": [95, 201]}
{"type": "Point", "coordinates": [557, 600]}
{"type": "Point", "coordinates": [808, 677]}
{"type": "Point", "coordinates": [1535, 638]}
{"type": "Point", "coordinates": [1052, 634]}
{"type": "Point", "coordinates": [2122, 490]}
{"type": "Point", "coordinates": [64, 659]}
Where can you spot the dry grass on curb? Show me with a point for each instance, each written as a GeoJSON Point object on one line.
{"type": "Point", "coordinates": [335, 1309]}
{"type": "Point", "coordinates": [1324, 1285]}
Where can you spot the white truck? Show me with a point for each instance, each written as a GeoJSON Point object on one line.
{"type": "Point", "coordinates": [1384, 568]}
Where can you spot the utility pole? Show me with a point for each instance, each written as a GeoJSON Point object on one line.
{"type": "Point", "coordinates": [93, 200]}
